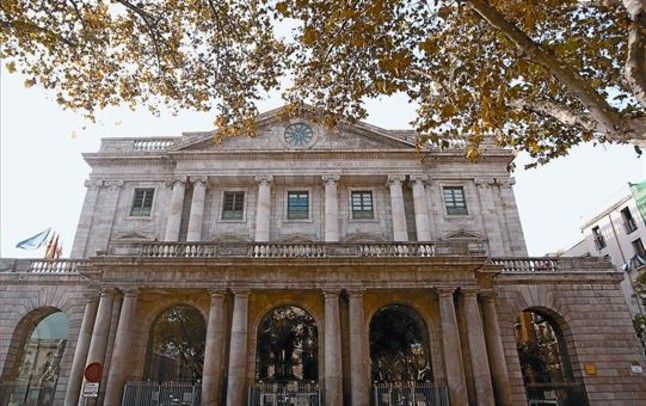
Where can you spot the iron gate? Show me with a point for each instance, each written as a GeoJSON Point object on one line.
{"type": "Point", "coordinates": [161, 394]}
{"type": "Point", "coordinates": [409, 394]}
{"type": "Point", "coordinates": [284, 395]}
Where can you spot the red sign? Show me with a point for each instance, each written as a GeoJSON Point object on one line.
{"type": "Point", "coordinates": [93, 372]}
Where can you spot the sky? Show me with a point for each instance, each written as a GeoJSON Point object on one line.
{"type": "Point", "coordinates": [42, 170]}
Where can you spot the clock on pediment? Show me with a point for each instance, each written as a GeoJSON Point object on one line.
{"type": "Point", "coordinates": [299, 135]}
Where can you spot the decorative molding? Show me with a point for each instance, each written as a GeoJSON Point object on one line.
{"type": "Point", "coordinates": [93, 185]}
{"type": "Point", "coordinates": [505, 182]}
{"type": "Point", "coordinates": [264, 179]}
{"type": "Point", "coordinates": [114, 184]}
{"type": "Point", "coordinates": [396, 179]}
{"type": "Point", "coordinates": [331, 178]}
{"type": "Point", "coordinates": [419, 177]}
{"type": "Point", "coordinates": [203, 179]}
{"type": "Point", "coordinates": [484, 182]}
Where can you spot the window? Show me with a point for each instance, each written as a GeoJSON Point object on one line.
{"type": "Point", "coordinates": [233, 206]}
{"type": "Point", "coordinates": [638, 247]}
{"type": "Point", "coordinates": [454, 200]}
{"type": "Point", "coordinates": [298, 205]}
{"type": "Point", "coordinates": [142, 202]}
{"type": "Point", "coordinates": [629, 221]}
{"type": "Point", "coordinates": [362, 205]}
{"type": "Point", "coordinates": [599, 241]}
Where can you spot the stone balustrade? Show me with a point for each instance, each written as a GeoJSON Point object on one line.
{"type": "Point", "coordinates": [152, 144]}
{"type": "Point", "coordinates": [41, 266]}
{"type": "Point", "coordinates": [552, 264]}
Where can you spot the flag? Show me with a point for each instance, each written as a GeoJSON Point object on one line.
{"type": "Point", "coordinates": [34, 242]}
{"type": "Point", "coordinates": [52, 245]}
{"type": "Point", "coordinates": [639, 193]}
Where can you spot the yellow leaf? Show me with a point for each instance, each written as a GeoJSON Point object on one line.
{"type": "Point", "coordinates": [11, 67]}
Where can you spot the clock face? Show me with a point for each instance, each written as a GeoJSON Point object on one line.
{"type": "Point", "coordinates": [298, 135]}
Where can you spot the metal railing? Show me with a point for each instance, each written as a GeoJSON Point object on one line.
{"type": "Point", "coordinates": [303, 250]}
{"type": "Point", "coordinates": [24, 394]}
{"type": "Point", "coordinates": [42, 266]}
{"type": "Point", "coordinates": [161, 394]}
{"type": "Point", "coordinates": [291, 394]}
{"type": "Point", "coordinates": [409, 394]}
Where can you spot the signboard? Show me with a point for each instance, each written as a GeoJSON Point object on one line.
{"type": "Point", "coordinates": [93, 372]}
{"type": "Point", "coordinates": [90, 390]}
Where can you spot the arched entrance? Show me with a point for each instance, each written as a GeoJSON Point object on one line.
{"type": "Point", "coordinates": [174, 359]}
{"type": "Point", "coordinates": [401, 368]}
{"type": "Point", "coordinates": [40, 340]}
{"type": "Point", "coordinates": [545, 362]}
{"type": "Point", "coordinates": [286, 358]}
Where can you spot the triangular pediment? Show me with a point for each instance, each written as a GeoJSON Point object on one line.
{"type": "Point", "coordinates": [464, 235]}
{"type": "Point", "coordinates": [274, 129]}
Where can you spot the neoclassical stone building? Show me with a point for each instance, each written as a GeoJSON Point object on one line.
{"type": "Point", "coordinates": [310, 266]}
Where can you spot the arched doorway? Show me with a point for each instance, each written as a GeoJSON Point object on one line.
{"type": "Point", "coordinates": [400, 361]}
{"type": "Point", "coordinates": [545, 362]}
{"type": "Point", "coordinates": [176, 346]}
{"type": "Point", "coordinates": [32, 380]}
{"type": "Point", "coordinates": [174, 360]}
{"type": "Point", "coordinates": [286, 358]}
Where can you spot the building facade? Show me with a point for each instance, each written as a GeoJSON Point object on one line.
{"type": "Point", "coordinates": [299, 265]}
{"type": "Point", "coordinates": [617, 233]}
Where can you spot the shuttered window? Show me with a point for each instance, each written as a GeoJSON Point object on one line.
{"type": "Point", "coordinates": [142, 202]}
{"type": "Point", "coordinates": [362, 207]}
{"type": "Point", "coordinates": [454, 200]}
{"type": "Point", "coordinates": [298, 205]}
{"type": "Point", "coordinates": [233, 206]}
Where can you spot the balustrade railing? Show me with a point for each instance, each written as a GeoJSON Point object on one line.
{"type": "Point", "coordinates": [279, 250]}
{"type": "Point", "coordinates": [152, 144]}
{"type": "Point", "coordinates": [42, 266]}
{"type": "Point", "coordinates": [552, 264]}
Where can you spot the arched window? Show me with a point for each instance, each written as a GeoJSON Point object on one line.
{"type": "Point", "coordinates": [399, 346]}
{"type": "Point", "coordinates": [34, 380]}
{"type": "Point", "coordinates": [544, 360]}
{"type": "Point", "coordinates": [287, 347]}
{"type": "Point", "coordinates": [176, 346]}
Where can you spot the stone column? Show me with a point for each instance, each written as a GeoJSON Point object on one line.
{"type": "Point", "coordinates": [400, 233]}
{"type": "Point", "coordinates": [195, 220]}
{"type": "Point", "coordinates": [331, 208]}
{"type": "Point", "coordinates": [263, 213]}
{"type": "Point", "coordinates": [452, 353]}
{"type": "Point", "coordinates": [85, 221]}
{"type": "Point", "coordinates": [122, 350]}
{"type": "Point", "coordinates": [102, 230]}
{"type": "Point", "coordinates": [236, 389]}
{"type": "Point", "coordinates": [512, 218]}
{"type": "Point", "coordinates": [80, 354]}
{"type": "Point", "coordinates": [175, 211]}
{"type": "Point", "coordinates": [421, 208]}
{"type": "Point", "coordinates": [333, 366]}
{"type": "Point", "coordinates": [491, 223]}
{"type": "Point", "coordinates": [213, 351]}
{"type": "Point", "coordinates": [101, 330]}
{"type": "Point", "coordinates": [477, 349]}
{"type": "Point", "coordinates": [495, 351]}
{"type": "Point", "coordinates": [359, 365]}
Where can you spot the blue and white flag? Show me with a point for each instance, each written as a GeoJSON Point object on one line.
{"type": "Point", "coordinates": [34, 242]}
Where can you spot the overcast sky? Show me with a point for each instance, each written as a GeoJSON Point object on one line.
{"type": "Point", "coordinates": [42, 171]}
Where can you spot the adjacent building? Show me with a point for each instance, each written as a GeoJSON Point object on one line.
{"type": "Point", "coordinates": [309, 265]}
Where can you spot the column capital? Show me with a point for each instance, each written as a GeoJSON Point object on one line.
{"type": "Point", "coordinates": [445, 292]}
{"type": "Point", "coordinates": [199, 180]}
{"type": "Point", "coordinates": [92, 184]}
{"type": "Point", "coordinates": [469, 292]}
{"type": "Point", "coordinates": [114, 184]}
{"type": "Point", "coordinates": [241, 292]}
{"type": "Point", "coordinates": [177, 180]}
{"type": "Point", "coordinates": [506, 182]}
{"type": "Point", "coordinates": [216, 292]}
{"type": "Point", "coordinates": [330, 178]}
{"type": "Point", "coordinates": [264, 179]}
{"type": "Point", "coordinates": [396, 179]}
{"type": "Point", "coordinates": [488, 295]}
{"type": "Point", "coordinates": [331, 293]}
{"type": "Point", "coordinates": [355, 292]}
{"type": "Point", "coordinates": [91, 296]}
{"type": "Point", "coordinates": [484, 182]}
{"type": "Point", "coordinates": [419, 177]}
{"type": "Point", "coordinates": [130, 292]}
{"type": "Point", "coordinates": [108, 292]}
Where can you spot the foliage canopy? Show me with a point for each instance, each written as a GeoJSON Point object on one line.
{"type": "Point", "coordinates": [536, 75]}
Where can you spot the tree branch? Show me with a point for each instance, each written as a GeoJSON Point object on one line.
{"type": "Point", "coordinates": [602, 112]}
{"type": "Point", "coordinates": [635, 72]}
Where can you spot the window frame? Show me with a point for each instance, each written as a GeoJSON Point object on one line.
{"type": "Point", "coordinates": [599, 240]}
{"type": "Point", "coordinates": [630, 225]}
{"type": "Point", "coordinates": [351, 192]}
{"type": "Point", "coordinates": [309, 204]}
{"type": "Point", "coordinates": [447, 212]}
{"type": "Point", "coordinates": [641, 244]}
{"type": "Point", "coordinates": [132, 202]}
{"type": "Point", "coordinates": [245, 200]}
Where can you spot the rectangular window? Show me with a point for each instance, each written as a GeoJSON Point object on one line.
{"type": "Point", "coordinates": [233, 206]}
{"type": "Point", "coordinates": [454, 200]}
{"type": "Point", "coordinates": [362, 207]}
{"type": "Point", "coordinates": [629, 221]}
{"type": "Point", "coordinates": [142, 202]}
{"type": "Point", "coordinates": [599, 241]}
{"type": "Point", "coordinates": [298, 205]}
{"type": "Point", "coordinates": [638, 247]}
